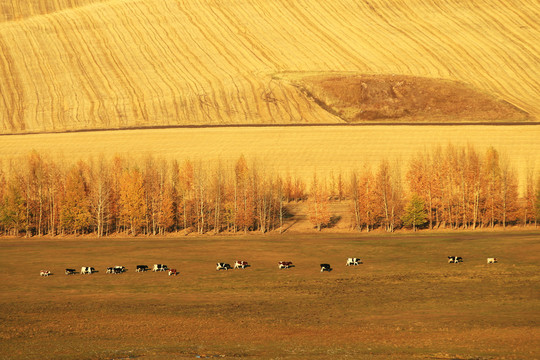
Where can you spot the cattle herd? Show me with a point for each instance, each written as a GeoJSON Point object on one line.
{"type": "Point", "coordinates": [239, 264]}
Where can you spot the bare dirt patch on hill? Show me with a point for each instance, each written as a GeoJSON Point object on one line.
{"type": "Point", "coordinates": [364, 98]}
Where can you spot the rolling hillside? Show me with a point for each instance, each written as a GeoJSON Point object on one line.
{"type": "Point", "coordinates": [87, 64]}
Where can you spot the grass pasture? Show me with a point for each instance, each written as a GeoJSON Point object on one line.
{"type": "Point", "coordinates": [404, 302]}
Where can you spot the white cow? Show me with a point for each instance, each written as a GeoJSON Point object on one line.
{"type": "Point", "coordinates": [44, 273]}
{"type": "Point", "coordinates": [353, 261]}
{"type": "Point", "coordinates": [223, 266]}
{"type": "Point", "coordinates": [87, 270]}
{"type": "Point", "coordinates": [491, 260]}
{"type": "Point", "coordinates": [160, 267]}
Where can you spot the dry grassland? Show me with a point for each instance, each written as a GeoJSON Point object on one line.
{"type": "Point", "coordinates": [82, 64]}
{"type": "Point", "coordinates": [407, 99]}
{"type": "Point", "coordinates": [295, 150]}
{"type": "Point", "coordinates": [404, 302]}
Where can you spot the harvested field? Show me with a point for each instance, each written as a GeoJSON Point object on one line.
{"type": "Point", "coordinates": [84, 64]}
{"type": "Point", "coordinates": [404, 302]}
{"type": "Point", "coordinates": [296, 150]}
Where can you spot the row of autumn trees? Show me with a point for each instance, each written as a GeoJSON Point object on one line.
{"type": "Point", "coordinates": [455, 187]}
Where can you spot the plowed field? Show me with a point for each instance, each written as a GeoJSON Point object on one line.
{"type": "Point", "coordinates": [83, 64]}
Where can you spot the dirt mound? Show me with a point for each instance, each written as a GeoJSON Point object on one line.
{"type": "Point", "coordinates": [359, 98]}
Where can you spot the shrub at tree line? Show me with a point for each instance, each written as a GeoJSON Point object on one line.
{"type": "Point", "coordinates": [455, 187]}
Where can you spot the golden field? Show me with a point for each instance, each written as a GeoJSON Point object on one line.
{"type": "Point", "coordinates": [287, 149]}
{"type": "Point", "coordinates": [84, 64]}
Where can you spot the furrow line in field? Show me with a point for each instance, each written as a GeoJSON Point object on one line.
{"type": "Point", "coordinates": [430, 38]}
{"type": "Point", "coordinates": [122, 92]}
{"type": "Point", "coordinates": [186, 69]}
{"type": "Point", "coordinates": [263, 53]}
{"type": "Point", "coordinates": [511, 34]}
{"type": "Point", "coordinates": [232, 46]}
{"type": "Point", "coordinates": [433, 60]}
{"type": "Point", "coordinates": [87, 65]}
{"type": "Point", "coordinates": [146, 56]}
{"type": "Point", "coordinates": [64, 43]}
{"type": "Point", "coordinates": [115, 47]}
{"type": "Point", "coordinates": [100, 84]}
{"type": "Point", "coordinates": [166, 60]}
{"type": "Point", "coordinates": [40, 60]}
{"type": "Point", "coordinates": [159, 60]}
{"type": "Point", "coordinates": [303, 36]}
{"type": "Point", "coordinates": [35, 103]}
{"type": "Point", "coordinates": [212, 53]}
{"type": "Point", "coordinates": [227, 46]}
{"type": "Point", "coordinates": [9, 92]}
{"type": "Point", "coordinates": [231, 27]}
{"type": "Point", "coordinates": [459, 51]}
{"type": "Point", "coordinates": [378, 35]}
{"type": "Point", "coordinates": [136, 74]}
{"type": "Point", "coordinates": [267, 27]}
{"type": "Point", "coordinates": [515, 73]}
{"type": "Point", "coordinates": [356, 38]}
{"type": "Point", "coordinates": [330, 32]}
{"type": "Point", "coordinates": [336, 54]}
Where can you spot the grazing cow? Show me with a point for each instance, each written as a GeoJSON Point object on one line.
{"type": "Point", "coordinates": [173, 272]}
{"type": "Point", "coordinates": [44, 273]}
{"type": "Point", "coordinates": [70, 271]}
{"type": "Point", "coordinates": [223, 266]}
{"type": "Point", "coordinates": [160, 267]}
{"type": "Point", "coordinates": [491, 260]}
{"type": "Point", "coordinates": [142, 268]}
{"type": "Point", "coordinates": [110, 270]}
{"type": "Point", "coordinates": [325, 267]}
{"type": "Point", "coordinates": [285, 264]}
{"type": "Point", "coordinates": [240, 264]}
{"type": "Point", "coordinates": [119, 269]}
{"type": "Point", "coordinates": [87, 270]}
{"type": "Point", "coordinates": [455, 259]}
{"type": "Point", "coordinates": [353, 261]}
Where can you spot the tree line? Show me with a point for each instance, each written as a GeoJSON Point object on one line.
{"type": "Point", "coordinates": [454, 187]}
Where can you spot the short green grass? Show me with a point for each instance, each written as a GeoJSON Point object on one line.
{"type": "Point", "coordinates": [404, 302]}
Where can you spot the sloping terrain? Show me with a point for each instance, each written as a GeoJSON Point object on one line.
{"type": "Point", "coordinates": [359, 98]}
{"type": "Point", "coordinates": [83, 64]}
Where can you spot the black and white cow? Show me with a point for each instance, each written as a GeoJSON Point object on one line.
{"type": "Point", "coordinates": [455, 259]}
{"type": "Point", "coordinates": [353, 261]}
{"type": "Point", "coordinates": [110, 270]}
{"type": "Point", "coordinates": [160, 267]}
{"type": "Point", "coordinates": [87, 270]}
{"type": "Point", "coordinates": [70, 271]}
{"type": "Point", "coordinates": [325, 267]}
{"type": "Point", "coordinates": [240, 264]}
{"type": "Point", "coordinates": [223, 266]}
{"type": "Point", "coordinates": [119, 269]}
{"type": "Point", "coordinates": [285, 264]}
{"type": "Point", "coordinates": [142, 268]}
